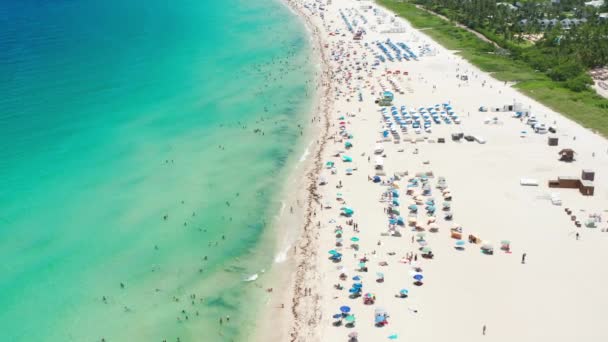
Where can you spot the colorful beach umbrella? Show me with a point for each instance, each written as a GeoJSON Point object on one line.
{"type": "Point", "coordinates": [350, 318]}
{"type": "Point", "coordinates": [345, 309]}
{"type": "Point", "coordinates": [404, 292]}
{"type": "Point", "coordinates": [354, 239]}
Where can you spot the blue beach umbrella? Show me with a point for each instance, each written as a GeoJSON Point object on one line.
{"type": "Point", "coordinates": [380, 319]}
{"type": "Point", "coordinates": [345, 309]}
{"type": "Point", "coordinates": [337, 316]}
{"type": "Point", "coordinates": [354, 239]}
{"type": "Point", "coordinates": [393, 337]}
{"type": "Point", "coordinates": [460, 243]}
{"type": "Point", "coordinates": [356, 278]}
{"type": "Point", "coordinates": [418, 277]}
{"type": "Point", "coordinates": [333, 252]}
{"type": "Point", "coordinates": [404, 292]}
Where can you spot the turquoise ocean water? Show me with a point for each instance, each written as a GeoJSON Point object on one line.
{"type": "Point", "coordinates": [142, 143]}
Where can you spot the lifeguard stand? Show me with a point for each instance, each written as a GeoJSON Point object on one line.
{"type": "Point", "coordinates": [386, 98]}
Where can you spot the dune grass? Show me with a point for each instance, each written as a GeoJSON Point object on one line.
{"type": "Point", "coordinates": [586, 107]}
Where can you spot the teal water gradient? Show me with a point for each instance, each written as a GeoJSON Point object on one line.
{"type": "Point", "coordinates": [114, 114]}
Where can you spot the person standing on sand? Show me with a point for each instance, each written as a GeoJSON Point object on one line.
{"type": "Point", "coordinates": [523, 258]}
{"type": "Point", "coordinates": [577, 235]}
{"type": "Point", "coordinates": [483, 331]}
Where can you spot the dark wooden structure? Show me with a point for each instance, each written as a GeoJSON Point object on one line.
{"type": "Point", "coordinates": [566, 155]}
{"type": "Point", "coordinates": [588, 175]}
{"type": "Point", "coordinates": [565, 183]}
{"type": "Point", "coordinates": [553, 141]}
{"type": "Point", "coordinates": [586, 188]}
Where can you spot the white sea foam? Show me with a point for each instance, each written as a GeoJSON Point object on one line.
{"type": "Point", "coordinates": [281, 256]}
{"type": "Point", "coordinates": [252, 277]}
{"type": "Point", "coordinates": [306, 153]}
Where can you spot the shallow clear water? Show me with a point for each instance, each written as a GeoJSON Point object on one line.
{"type": "Point", "coordinates": [115, 114]}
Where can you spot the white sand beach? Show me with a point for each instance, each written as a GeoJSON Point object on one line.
{"type": "Point", "coordinates": [560, 293]}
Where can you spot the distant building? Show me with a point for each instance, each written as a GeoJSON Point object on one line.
{"type": "Point", "coordinates": [595, 3]}
{"type": "Point", "coordinates": [508, 5]}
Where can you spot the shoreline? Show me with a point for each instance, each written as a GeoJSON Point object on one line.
{"type": "Point", "coordinates": [287, 298]}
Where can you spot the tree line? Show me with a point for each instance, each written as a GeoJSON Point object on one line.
{"type": "Point", "coordinates": [532, 31]}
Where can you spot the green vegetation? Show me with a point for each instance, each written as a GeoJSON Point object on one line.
{"type": "Point", "coordinates": [561, 85]}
